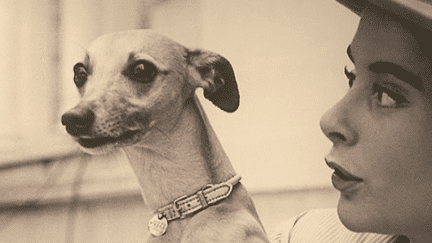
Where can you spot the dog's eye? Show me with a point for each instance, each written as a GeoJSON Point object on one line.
{"type": "Point", "coordinates": [143, 72]}
{"type": "Point", "coordinates": [80, 75]}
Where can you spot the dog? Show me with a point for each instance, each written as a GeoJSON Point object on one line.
{"type": "Point", "coordinates": [137, 91]}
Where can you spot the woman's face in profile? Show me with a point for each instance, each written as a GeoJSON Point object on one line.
{"type": "Point", "coordinates": [382, 132]}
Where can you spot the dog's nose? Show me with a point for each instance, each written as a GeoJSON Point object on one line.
{"type": "Point", "coordinates": [78, 121]}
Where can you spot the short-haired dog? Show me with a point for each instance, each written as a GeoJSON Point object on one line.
{"type": "Point", "coordinates": [137, 91]}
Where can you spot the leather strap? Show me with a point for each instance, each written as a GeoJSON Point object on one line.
{"type": "Point", "coordinates": [208, 195]}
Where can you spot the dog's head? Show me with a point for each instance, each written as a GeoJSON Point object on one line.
{"type": "Point", "coordinates": [131, 82]}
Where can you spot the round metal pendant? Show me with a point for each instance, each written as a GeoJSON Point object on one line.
{"type": "Point", "coordinates": [158, 225]}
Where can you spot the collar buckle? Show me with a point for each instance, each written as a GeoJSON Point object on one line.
{"type": "Point", "coordinates": [176, 208]}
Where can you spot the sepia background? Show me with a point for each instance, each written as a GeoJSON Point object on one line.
{"type": "Point", "coordinates": [288, 57]}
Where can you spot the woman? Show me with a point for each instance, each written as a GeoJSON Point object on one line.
{"type": "Point", "coordinates": [381, 133]}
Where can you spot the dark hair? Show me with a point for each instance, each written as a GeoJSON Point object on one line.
{"type": "Point", "coordinates": [424, 38]}
{"type": "Point", "coordinates": [422, 35]}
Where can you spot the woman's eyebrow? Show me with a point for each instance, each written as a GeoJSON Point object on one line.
{"type": "Point", "coordinates": [399, 72]}
{"type": "Point", "coordinates": [350, 54]}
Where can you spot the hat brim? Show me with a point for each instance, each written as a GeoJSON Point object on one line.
{"type": "Point", "coordinates": [417, 11]}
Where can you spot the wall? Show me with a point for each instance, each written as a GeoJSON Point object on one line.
{"type": "Point", "coordinates": [28, 70]}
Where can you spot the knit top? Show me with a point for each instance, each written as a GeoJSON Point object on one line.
{"type": "Point", "coordinates": [323, 225]}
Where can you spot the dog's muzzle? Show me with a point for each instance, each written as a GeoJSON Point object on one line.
{"type": "Point", "coordinates": [81, 124]}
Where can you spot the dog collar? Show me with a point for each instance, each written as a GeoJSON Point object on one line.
{"type": "Point", "coordinates": [186, 205]}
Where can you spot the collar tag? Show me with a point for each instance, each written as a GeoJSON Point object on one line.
{"type": "Point", "coordinates": [158, 225]}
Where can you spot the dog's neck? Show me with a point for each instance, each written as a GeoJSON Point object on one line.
{"type": "Point", "coordinates": [179, 162]}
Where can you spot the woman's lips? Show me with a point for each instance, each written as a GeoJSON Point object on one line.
{"type": "Point", "coordinates": [342, 180]}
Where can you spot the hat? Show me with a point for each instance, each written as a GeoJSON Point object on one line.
{"type": "Point", "coordinates": [417, 11]}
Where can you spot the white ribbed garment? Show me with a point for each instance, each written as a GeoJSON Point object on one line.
{"type": "Point", "coordinates": [322, 226]}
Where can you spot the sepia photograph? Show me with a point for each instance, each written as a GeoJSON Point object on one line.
{"type": "Point", "coordinates": [205, 121]}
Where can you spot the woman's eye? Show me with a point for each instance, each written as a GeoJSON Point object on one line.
{"type": "Point", "coordinates": [388, 98]}
{"type": "Point", "coordinates": [351, 75]}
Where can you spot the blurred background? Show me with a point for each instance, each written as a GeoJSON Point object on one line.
{"type": "Point", "coordinates": [288, 57]}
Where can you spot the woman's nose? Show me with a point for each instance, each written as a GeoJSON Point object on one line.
{"type": "Point", "coordinates": [337, 124]}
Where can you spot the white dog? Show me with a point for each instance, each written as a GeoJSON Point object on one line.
{"type": "Point", "coordinates": [138, 94]}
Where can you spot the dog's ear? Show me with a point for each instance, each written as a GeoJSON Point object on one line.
{"type": "Point", "coordinates": [215, 75]}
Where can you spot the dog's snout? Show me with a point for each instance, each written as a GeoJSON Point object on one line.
{"type": "Point", "coordinates": [78, 121]}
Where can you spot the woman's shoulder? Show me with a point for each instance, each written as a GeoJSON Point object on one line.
{"type": "Point", "coordinates": [322, 225]}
